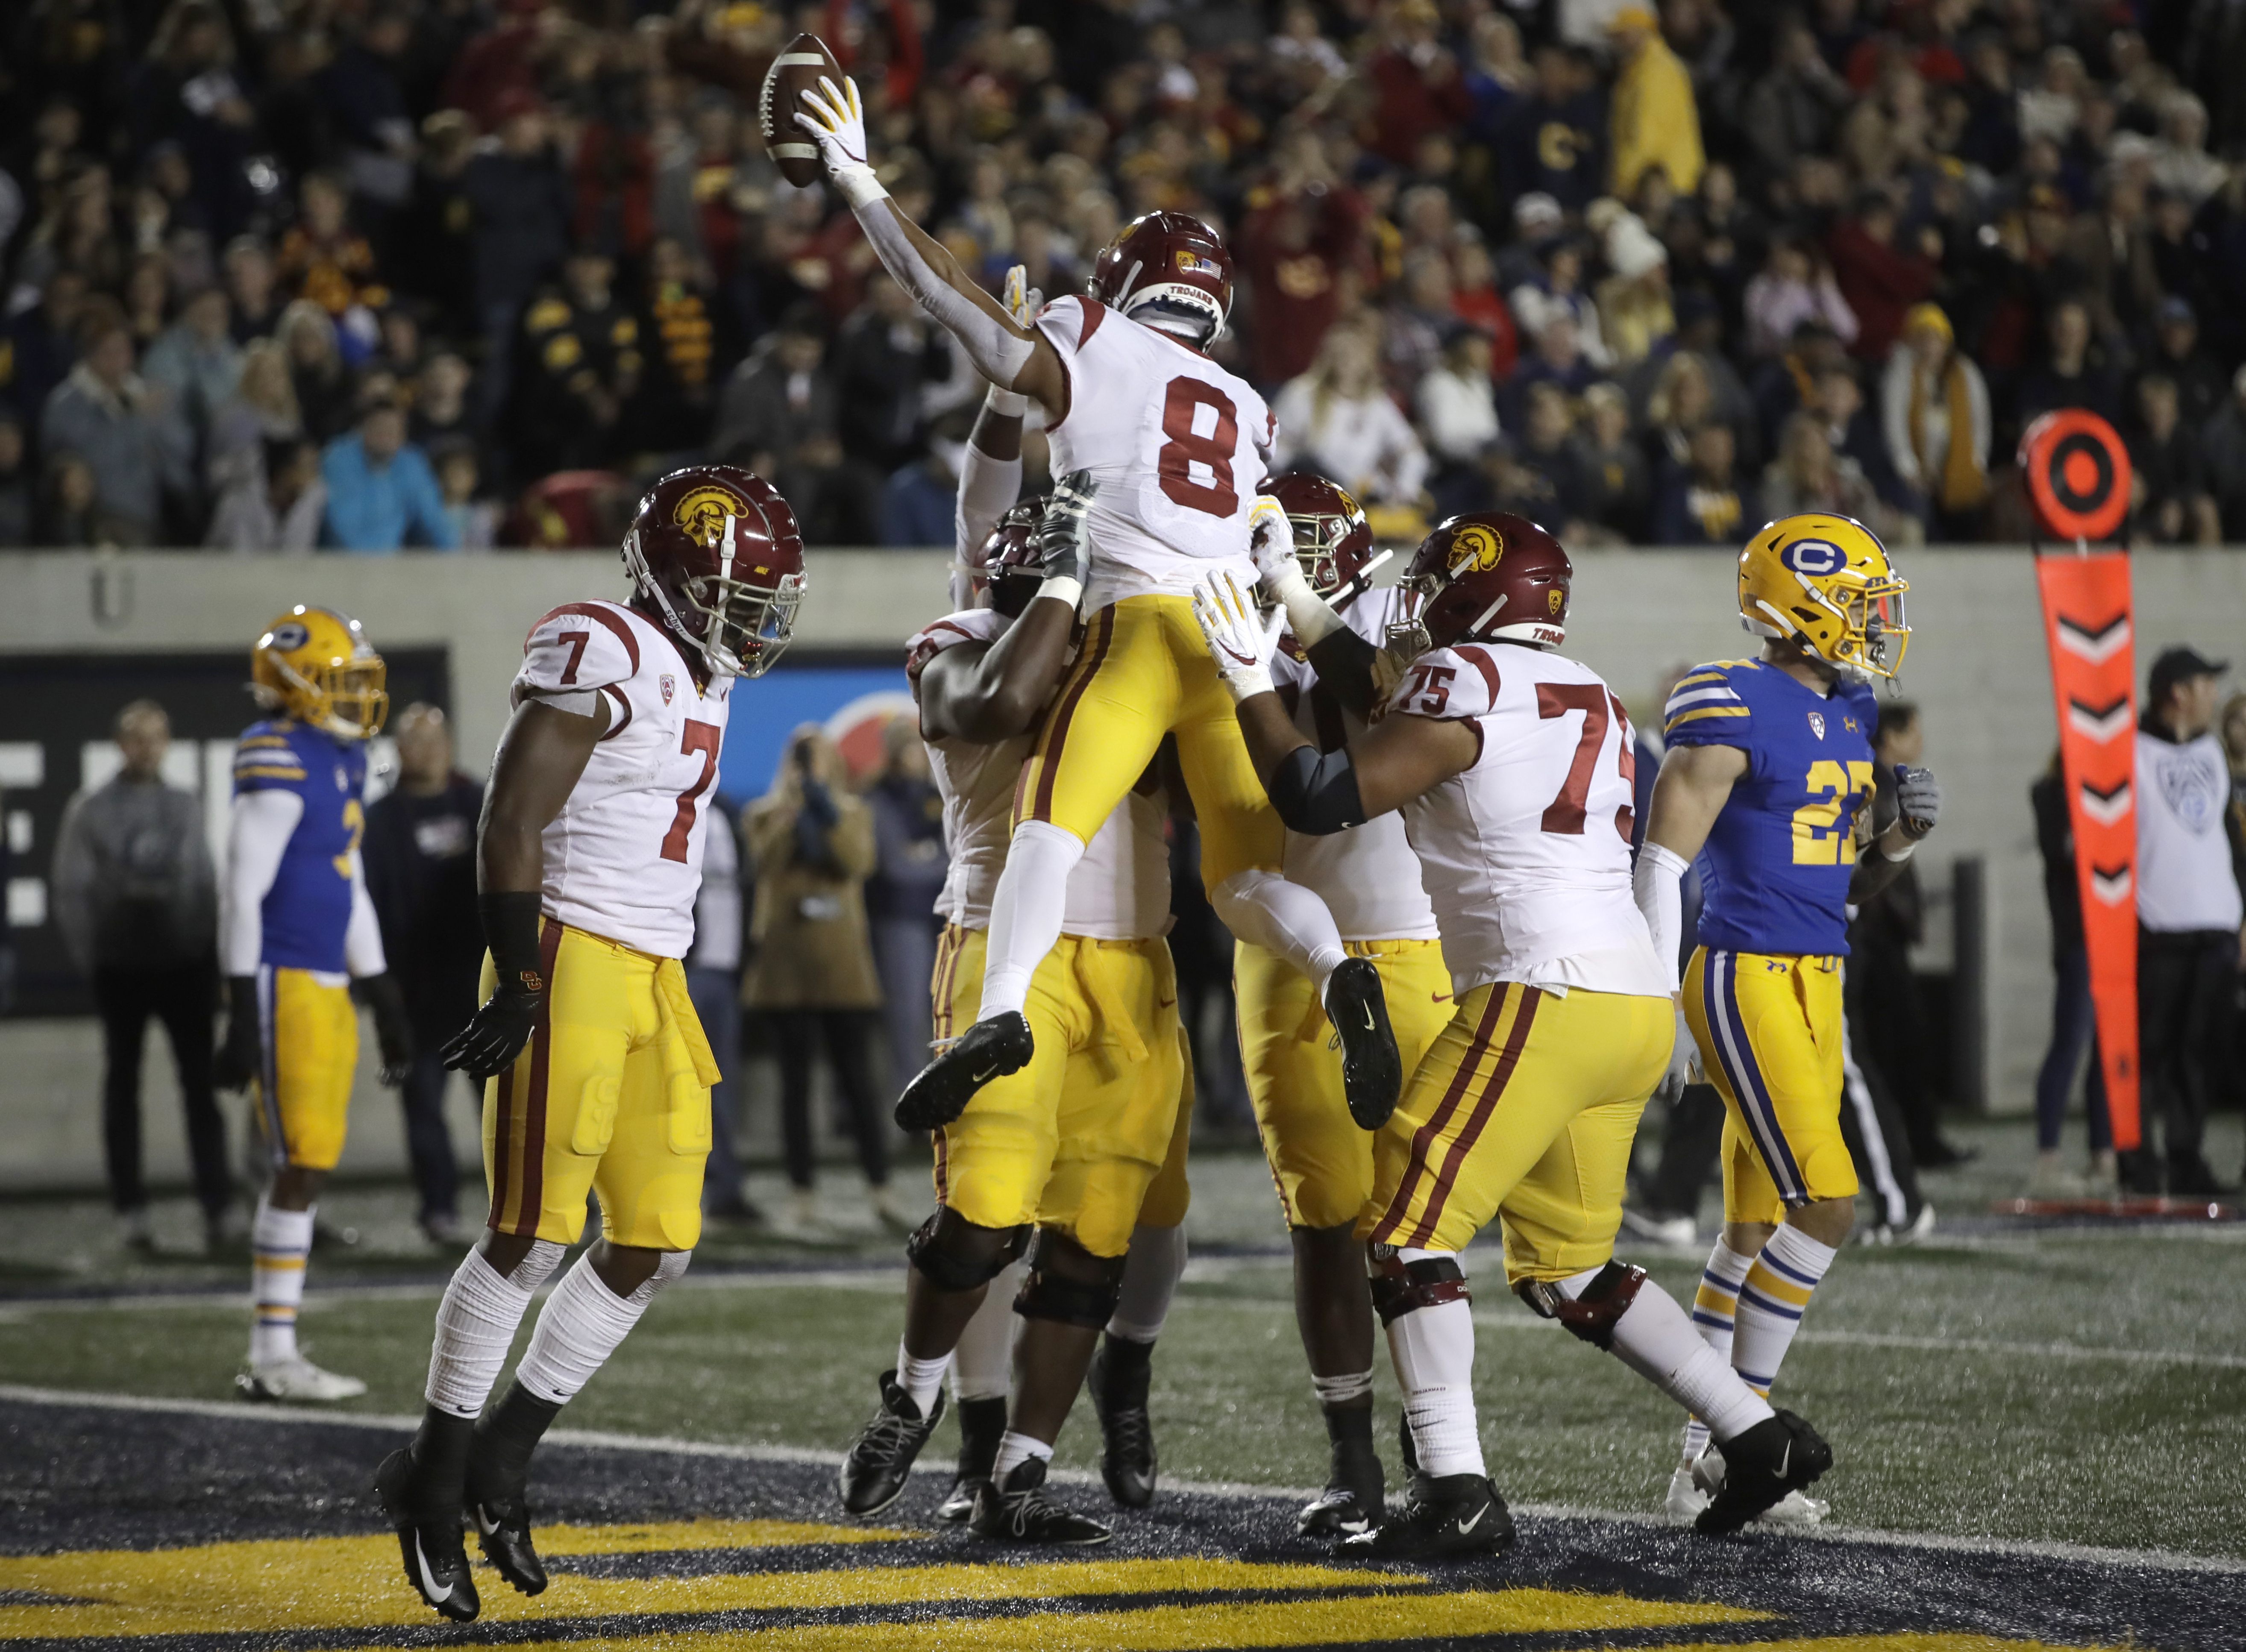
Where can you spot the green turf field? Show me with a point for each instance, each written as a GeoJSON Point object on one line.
{"type": "Point", "coordinates": [2083, 1384]}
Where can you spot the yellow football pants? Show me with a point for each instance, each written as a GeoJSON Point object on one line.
{"type": "Point", "coordinates": [612, 1093]}
{"type": "Point", "coordinates": [308, 1032]}
{"type": "Point", "coordinates": [1321, 1163]}
{"type": "Point", "coordinates": [1076, 1139]}
{"type": "Point", "coordinates": [1144, 672]}
{"type": "Point", "coordinates": [1525, 1109]}
{"type": "Point", "coordinates": [1170, 1195]}
{"type": "Point", "coordinates": [1768, 1026]}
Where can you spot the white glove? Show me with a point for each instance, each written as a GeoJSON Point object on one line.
{"type": "Point", "coordinates": [1022, 302]}
{"type": "Point", "coordinates": [1271, 546]}
{"type": "Point", "coordinates": [837, 123]}
{"type": "Point", "coordinates": [1237, 639]}
{"type": "Point", "coordinates": [1918, 795]}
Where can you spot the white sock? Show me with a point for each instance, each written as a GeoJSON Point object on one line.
{"type": "Point", "coordinates": [1333, 1391]}
{"type": "Point", "coordinates": [1655, 1339]}
{"type": "Point", "coordinates": [922, 1379]}
{"type": "Point", "coordinates": [1014, 1450]}
{"type": "Point", "coordinates": [1026, 910]}
{"type": "Point", "coordinates": [581, 1325]}
{"type": "Point", "coordinates": [1151, 1270]}
{"type": "Point", "coordinates": [1776, 1294]}
{"type": "Point", "coordinates": [1715, 1308]}
{"type": "Point", "coordinates": [476, 1324]}
{"type": "Point", "coordinates": [1432, 1349]}
{"type": "Point", "coordinates": [280, 1244]}
{"type": "Point", "coordinates": [1285, 918]}
{"type": "Point", "coordinates": [982, 1363]}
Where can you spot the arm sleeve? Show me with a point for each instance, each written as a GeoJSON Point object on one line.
{"type": "Point", "coordinates": [1704, 709]}
{"type": "Point", "coordinates": [1658, 885]}
{"type": "Point", "coordinates": [997, 351]}
{"type": "Point", "coordinates": [362, 953]}
{"type": "Point", "coordinates": [264, 820]}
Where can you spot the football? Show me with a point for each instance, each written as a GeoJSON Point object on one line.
{"type": "Point", "coordinates": [798, 68]}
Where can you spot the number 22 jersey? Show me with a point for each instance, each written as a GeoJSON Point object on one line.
{"type": "Point", "coordinates": [1774, 873]}
{"type": "Point", "coordinates": [623, 858]}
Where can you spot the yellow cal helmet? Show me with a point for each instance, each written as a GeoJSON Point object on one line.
{"type": "Point", "coordinates": [1825, 583]}
{"type": "Point", "coordinates": [317, 666]}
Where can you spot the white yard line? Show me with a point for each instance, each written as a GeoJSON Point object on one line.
{"type": "Point", "coordinates": [601, 1439]}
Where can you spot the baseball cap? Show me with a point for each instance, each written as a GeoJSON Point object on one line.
{"type": "Point", "coordinates": [2178, 665]}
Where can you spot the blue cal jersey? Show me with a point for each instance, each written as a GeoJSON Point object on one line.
{"type": "Point", "coordinates": [1774, 874]}
{"type": "Point", "coordinates": [309, 907]}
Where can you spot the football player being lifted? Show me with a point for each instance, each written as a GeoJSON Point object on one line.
{"type": "Point", "coordinates": [1512, 765]}
{"type": "Point", "coordinates": [1768, 781]}
{"type": "Point", "coordinates": [297, 931]}
{"type": "Point", "coordinates": [1078, 1156]}
{"type": "Point", "coordinates": [1165, 449]}
{"type": "Point", "coordinates": [596, 1070]}
{"type": "Point", "coordinates": [1314, 550]}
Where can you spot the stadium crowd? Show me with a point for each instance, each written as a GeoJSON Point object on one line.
{"type": "Point", "coordinates": [287, 273]}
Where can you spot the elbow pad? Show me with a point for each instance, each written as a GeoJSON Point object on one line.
{"type": "Point", "coordinates": [1316, 795]}
{"type": "Point", "coordinates": [1658, 885]}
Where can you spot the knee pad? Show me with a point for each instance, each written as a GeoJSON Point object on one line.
{"type": "Point", "coordinates": [1399, 1288]}
{"type": "Point", "coordinates": [954, 1254]}
{"type": "Point", "coordinates": [669, 1270]}
{"type": "Point", "coordinates": [1068, 1283]}
{"type": "Point", "coordinates": [1592, 1314]}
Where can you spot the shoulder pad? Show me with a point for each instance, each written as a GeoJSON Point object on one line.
{"type": "Point", "coordinates": [1705, 707]}
{"type": "Point", "coordinates": [579, 646]}
{"type": "Point", "coordinates": [1452, 683]}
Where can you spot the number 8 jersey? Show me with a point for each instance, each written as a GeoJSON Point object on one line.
{"type": "Point", "coordinates": [1525, 854]}
{"type": "Point", "coordinates": [623, 858]}
{"type": "Point", "coordinates": [1774, 874]}
{"type": "Point", "coordinates": [1177, 443]}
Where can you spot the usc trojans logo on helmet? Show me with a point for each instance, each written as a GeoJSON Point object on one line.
{"type": "Point", "coordinates": [701, 514]}
{"type": "Point", "coordinates": [1476, 549]}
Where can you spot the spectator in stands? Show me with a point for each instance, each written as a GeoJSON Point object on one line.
{"type": "Point", "coordinates": [136, 901]}
{"type": "Point", "coordinates": [1656, 122]}
{"type": "Point", "coordinates": [1794, 107]}
{"type": "Point", "coordinates": [2174, 505]}
{"type": "Point", "coordinates": [1704, 503]}
{"type": "Point", "coordinates": [883, 357]}
{"type": "Point", "coordinates": [1606, 466]}
{"type": "Point", "coordinates": [578, 365]}
{"type": "Point", "coordinates": [196, 362]}
{"type": "Point", "coordinates": [1807, 475]}
{"type": "Point", "coordinates": [262, 408]}
{"type": "Point", "coordinates": [17, 493]}
{"type": "Point", "coordinates": [1794, 288]}
{"type": "Point", "coordinates": [324, 392]}
{"type": "Point", "coordinates": [1880, 280]}
{"type": "Point", "coordinates": [1553, 143]}
{"type": "Point", "coordinates": [1415, 81]}
{"type": "Point", "coordinates": [459, 479]}
{"type": "Point", "coordinates": [381, 494]}
{"type": "Point", "coordinates": [910, 869]}
{"type": "Point", "coordinates": [106, 416]}
{"type": "Point", "coordinates": [1457, 410]}
{"type": "Point", "coordinates": [1302, 257]}
{"type": "Point", "coordinates": [2188, 913]}
{"type": "Point", "coordinates": [1337, 420]}
{"type": "Point", "coordinates": [517, 198]}
{"type": "Point", "coordinates": [2073, 1019]}
{"type": "Point", "coordinates": [2074, 372]}
{"type": "Point", "coordinates": [811, 977]}
{"type": "Point", "coordinates": [39, 345]}
{"type": "Point", "coordinates": [713, 982]}
{"type": "Point", "coordinates": [2224, 447]}
{"type": "Point", "coordinates": [271, 498]}
{"type": "Point", "coordinates": [253, 304]}
{"type": "Point", "coordinates": [1934, 408]}
{"type": "Point", "coordinates": [780, 415]}
{"type": "Point", "coordinates": [67, 516]}
{"type": "Point", "coordinates": [2178, 354]}
{"type": "Point", "coordinates": [420, 852]}
{"type": "Point", "coordinates": [1554, 292]}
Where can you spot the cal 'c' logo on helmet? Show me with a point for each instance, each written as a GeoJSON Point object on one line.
{"type": "Point", "coordinates": [702, 512]}
{"type": "Point", "coordinates": [1476, 549]}
{"type": "Point", "coordinates": [1813, 557]}
{"type": "Point", "coordinates": [289, 637]}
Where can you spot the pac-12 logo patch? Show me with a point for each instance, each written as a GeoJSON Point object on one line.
{"type": "Point", "coordinates": [1813, 557]}
{"type": "Point", "coordinates": [668, 686]}
{"type": "Point", "coordinates": [1816, 721]}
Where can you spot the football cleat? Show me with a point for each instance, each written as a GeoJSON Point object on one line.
{"type": "Point", "coordinates": [436, 1561]}
{"type": "Point", "coordinates": [1442, 1518]}
{"type": "Point", "coordinates": [982, 1425]}
{"type": "Point", "coordinates": [1371, 1071]}
{"type": "Point", "coordinates": [502, 1517]}
{"type": "Point", "coordinates": [958, 1503]}
{"type": "Point", "coordinates": [1687, 1497]}
{"type": "Point", "coordinates": [1353, 1499]}
{"type": "Point", "coordinates": [879, 1460]}
{"type": "Point", "coordinates": [1780, 1454]}
{"type": "Point", "coordinates": [1016, 1510]}
{"type": "Point", "coordinates": [295, 1378]}
{"type": "Point", "coordinates": [989, 1049]}
{"type": "Point", "coordinates": [1126, 1433]}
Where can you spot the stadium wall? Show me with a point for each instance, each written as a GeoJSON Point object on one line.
{"type": "Point", "coordinates": [1975, 665]}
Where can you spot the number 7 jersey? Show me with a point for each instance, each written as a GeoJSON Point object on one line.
{"type": "Point", "coordinates": [1525, 854]}
{"type": "Point", "coordinates": [623, 858]}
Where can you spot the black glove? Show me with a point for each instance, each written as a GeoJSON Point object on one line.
{"type": "Point", "coordinates": [496, 1033]}
{"type": "Point", "coordinates": [393, 1032]}
{"type": "Point", "coordinates": [1918, 799]}
{"type": "Point", "coordinates": [235, 1062]}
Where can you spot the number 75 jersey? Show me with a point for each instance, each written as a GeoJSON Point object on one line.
{"type": "Point", "coordinates": [1774, 874]}
{"type": "Point", "coordinates": [624, 858]}
{"type": "Point", "coordinates": [1525, 854]}
{"type": "Point", "coordinates": [1177, 443]}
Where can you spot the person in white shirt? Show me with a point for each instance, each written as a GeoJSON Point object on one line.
{"type": "Point", "coordinates": [1337, 419]}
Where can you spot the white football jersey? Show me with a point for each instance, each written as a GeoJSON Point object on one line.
{"type": "Point", "coordinates": [1119, 891]}
{"type": "Point", "coordinates": [1367, 876]}
{"type": "Point", "coordinates": [1177, 443]}
{"type": "Point", "coordinates": [1526, 853]}
{"type": "Point", "coordinates": [624, 858]}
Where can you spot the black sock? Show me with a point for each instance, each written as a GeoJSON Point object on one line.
{"type": "Point", "coordinates": [982, 1425]}
{"type": "Point", "coordinates": [441, 1460]}
{"type": "Point", "coordinates": [1123, 1354]}
{"type": "Point", "coordinates": [507, 1435]}
{"type": "Point", "coordinates": [1348, 1425]}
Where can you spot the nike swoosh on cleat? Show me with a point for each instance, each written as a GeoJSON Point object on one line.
{"type": "Point", "coordinates": [1371, 1025]}
{"type": "Point", "coordinates": [483, 1523]}
{"type": "Point", "coordinates": [436, 1597]}
{"type": "Point", "coordinates": [1785, 1458]}
{"type": "Point", "coordinates": [1465, 1526]}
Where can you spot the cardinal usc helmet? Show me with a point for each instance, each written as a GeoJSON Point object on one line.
{"type": "Point", "coordinates": [1013, 566]}
{"type": "Point", "coordinates": [1485, 577]}
{"type": "Point", "coordinates": [1169, 271]}
{"type": "Point", "coordinates": [1333, 539]}
{"type": "Point", "coordinates": [316, 666]}
{"type": "Point", "coordinates": [714, 554]}
{"type": "Point", "coordinates": [1825, 583]}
